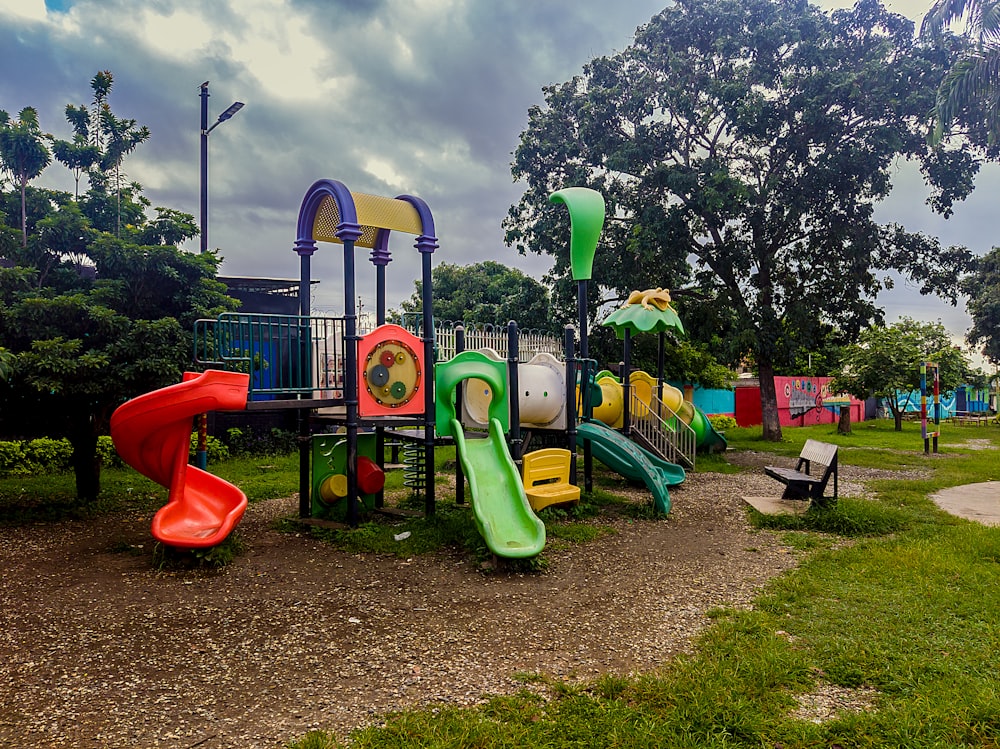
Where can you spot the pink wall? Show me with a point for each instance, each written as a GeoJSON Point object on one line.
{"type": "Point", "coordinates": [800, 403]}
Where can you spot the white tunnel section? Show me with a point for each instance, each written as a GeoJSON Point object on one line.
{"type": "Point", "coordinates": [541, 394]}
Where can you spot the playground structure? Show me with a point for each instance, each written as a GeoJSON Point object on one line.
{"type": "Point", "coordinates": [353, 393]}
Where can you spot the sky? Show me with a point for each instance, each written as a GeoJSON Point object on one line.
{"type": "Point", "coordinates": [390, 97]}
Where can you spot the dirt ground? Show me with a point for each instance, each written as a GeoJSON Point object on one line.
{"type": "Point", "coordinates": [99, 649]}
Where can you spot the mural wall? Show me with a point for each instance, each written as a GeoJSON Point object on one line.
{"type": "Point", "coordinates": [802, 401]}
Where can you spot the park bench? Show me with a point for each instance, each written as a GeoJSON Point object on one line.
{"type": "Point", "coordinates": [546, 478]}
{"type": "Point", "coordinates": [808, 480]}
{"type": "Point", "coordinates": [962, 418]}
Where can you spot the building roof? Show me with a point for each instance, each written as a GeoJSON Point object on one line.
{"type": "Point", "coordinates": [270, 286]}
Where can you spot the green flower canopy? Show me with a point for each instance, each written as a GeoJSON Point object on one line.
{"type": "Point", "coordinates": [645, 312]}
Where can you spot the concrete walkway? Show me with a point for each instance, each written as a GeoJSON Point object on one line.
{"type": "Point", "coordinates": [979, 502]}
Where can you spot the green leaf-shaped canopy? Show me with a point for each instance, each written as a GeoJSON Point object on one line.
{"type": "Point", "coordinates": [645, 312]}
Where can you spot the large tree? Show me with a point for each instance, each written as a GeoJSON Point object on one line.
{"type": "Point", "coordinates": [741, 146]}
{"type": "Point", "coordinates": [885, 361]}
{"type": "Point", "coordinates": [88, 319]}
{"type": "Point", "coordinates": [485, 292]}
{"type": "Point", "coordinates": [79, 348]}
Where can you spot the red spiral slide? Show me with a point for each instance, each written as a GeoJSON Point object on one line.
{"type": "Point", "coordinates": [152, 433]}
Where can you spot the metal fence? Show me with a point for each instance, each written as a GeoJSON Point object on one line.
{"type": "Point", "coordinates": [477, 336]}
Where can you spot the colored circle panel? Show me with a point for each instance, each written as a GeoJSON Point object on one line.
{"type": "Point", "coordinates": [405, 375]}
{"type": "Point", "coordinates": [378, 375]}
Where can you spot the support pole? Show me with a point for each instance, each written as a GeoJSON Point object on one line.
{"type": "Point", "coordinates": [351, 381]}
{"type": "Point", "coordinates": [426, 245]}
{"type": "Point", "coordinates": [581, 313]}
{"type": "Point", "coordinates": [513, 391]}
{"type": "Point", "coordinates": [571, 390]}
{"type": "Point", "coordinates": [459, 394]}
{"type": "Point", "coordinates": [627, 385]}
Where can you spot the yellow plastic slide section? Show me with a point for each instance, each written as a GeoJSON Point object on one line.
{"type": "Point", "coordinates": [611, 410]}
{"type": "Point", "coordinates": [672, 397]}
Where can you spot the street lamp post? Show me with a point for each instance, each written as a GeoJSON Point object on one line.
{"type": "Point", "coordinates": [235, 107]}
{"type": "Point", "coordinates": [201, 455]}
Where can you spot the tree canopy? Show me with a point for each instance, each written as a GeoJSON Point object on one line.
{"type": "Point", "coordinates": [89, 319]}
{"type": "Point", "coordinates": [485, 292]}
{"type": "Point", "coordinates": [983, 289]}
{"type": "Point", "coordinates": [741, 146]}
{"type": "Point", "coordinates": [23, 154]}
{"type": "Point", "coordinates": [886, 360]}
{"type": "Point", "coordinates": [967, 99]}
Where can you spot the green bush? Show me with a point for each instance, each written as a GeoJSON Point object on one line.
{"type": "Point", "coordinates": [722, 422]}
{"type": "Point", "coordinates": [107, 453]}
{"type": "Point", "coordinates": [13, 459]}
{"type": "Point", "coordinates": [215, 449]}
{"type": "Point", "coordinates": [247, 442]}
{"type": "Point", "coordinates": [45, 454]}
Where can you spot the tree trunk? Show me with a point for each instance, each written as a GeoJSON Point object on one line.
{"type": "Point", "coordinates": [86, 462]}
{"type": "Point", "coordinates": [844, 424]}
{"type": "Point", "coordinates": [769, 403]}
{"type": "Point", "coordinates": [24, 214]}
{"type": "Point", "coordinates": [897, 415]}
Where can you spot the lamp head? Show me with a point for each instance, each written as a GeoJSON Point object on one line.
{"type": "Point", "coordinates": [235, 107]}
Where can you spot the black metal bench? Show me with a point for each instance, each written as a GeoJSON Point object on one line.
{"type": "Point", "coordinates": [808, 480]}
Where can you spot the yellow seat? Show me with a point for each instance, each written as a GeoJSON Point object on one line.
{"type": "Point", "coordinates": [546, 478]}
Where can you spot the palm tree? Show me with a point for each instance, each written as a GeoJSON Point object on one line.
{"type": "Point", "coordinates": [79, 154]}
{"type": "Point", "coordinates": [23, 154]}
{"type": "Point", "coordinates": [973, 83]}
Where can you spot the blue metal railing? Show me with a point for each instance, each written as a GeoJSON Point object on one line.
{"type": "Point", "coordinates": [285, 355]}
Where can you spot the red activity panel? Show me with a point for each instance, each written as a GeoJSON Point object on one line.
{"type": "Point", "coordinates": [390, 373]}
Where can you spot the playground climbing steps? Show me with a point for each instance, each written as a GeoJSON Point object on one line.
{"type": "Point", "coordinates": [661, 430]}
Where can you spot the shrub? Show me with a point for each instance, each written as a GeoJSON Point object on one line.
{"type": "Point", "coordinates": [13, 459]}
{"type": "Point", "coordinates": [215, 450]}
{"type": "Point", "coordinates": [107, 453]}
{"type": "Point", "coordinates": [45, 454]}
{"type": "Point", "coordinates": [237, 441]}
{"type": "Point", "coordinates": [722, 422]}
{"type": "Point", "coordinates": [275, 442]}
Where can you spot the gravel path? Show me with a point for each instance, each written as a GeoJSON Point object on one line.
{"type": "Point", "coordinates": [99, 649]}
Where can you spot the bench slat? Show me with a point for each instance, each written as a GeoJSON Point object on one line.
{"type": "Point", "coordinates": [818, 452]}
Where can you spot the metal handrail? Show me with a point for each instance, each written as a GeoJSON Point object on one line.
{"type": "Point", "coordinates": [286, 355]}
{"type": "Point", "coordinates": [663, 430]}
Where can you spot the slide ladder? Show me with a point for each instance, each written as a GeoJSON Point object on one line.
{"type": "Point", "coordinates": [662, 431]}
